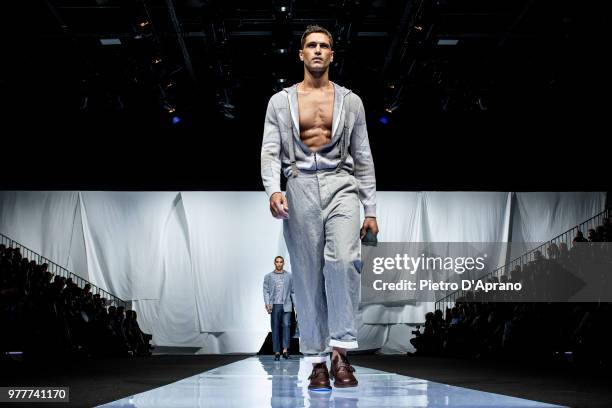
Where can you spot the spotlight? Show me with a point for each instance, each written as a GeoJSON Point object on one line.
{"type": "Point", "coordinates": [393, 107]}
{"type": "Point", "coordinates": [169, 108]}
{"type": "Point", "coordinates": [157, 60]}
{"type": "Point", "coordinates": [282, 12]}
{"type": "Point", "coordinates": [143, 24]}
{"type": "Point", "coordinates": [384, 120]}
{"type": "Point", "coordinates": [176, 120]}
{"type": "Point", "coordinates": [280, 84]}
{"type": "Point", "coordinates": [418, 28]}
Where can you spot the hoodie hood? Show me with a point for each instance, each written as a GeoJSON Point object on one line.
{"type": "Point", "coordinates": [340, 93]}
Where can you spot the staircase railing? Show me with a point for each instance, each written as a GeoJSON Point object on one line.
{"type": "Point", "coordinates": [566, 237]}
{"type": "Point", "coordinates": [56, 269]}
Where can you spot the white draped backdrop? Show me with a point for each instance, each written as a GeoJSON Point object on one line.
{"type": "Point", "coordinates": [193, 262]}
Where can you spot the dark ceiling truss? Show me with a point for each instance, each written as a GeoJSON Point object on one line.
{"type": "Point", "coordinates": [405, 41]}
{"type": "Point", "coordinates": [176, 25]}
{"type": "Point", "coordinates": [416, 56]}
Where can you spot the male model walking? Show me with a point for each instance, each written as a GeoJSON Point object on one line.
{"type": "Point", "coordinates": [315, 133]}
{"type": "Point", "coordinates": [278, 294]}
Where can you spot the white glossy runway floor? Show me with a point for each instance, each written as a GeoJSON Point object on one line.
{"type": "Point", "coordinates": [263, 382]}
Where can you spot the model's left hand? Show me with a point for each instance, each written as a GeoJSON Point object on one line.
{"type": "Point", "coordinates": [369, 224]}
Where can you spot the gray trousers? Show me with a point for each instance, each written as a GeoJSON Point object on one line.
{"type": "Point", "coordinates": [322, 236]}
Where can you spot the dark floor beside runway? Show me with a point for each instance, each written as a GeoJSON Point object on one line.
{"type": "Point", "coordinates": [94, 382]}
{"type": "Point", "coordinates": [558, 384]}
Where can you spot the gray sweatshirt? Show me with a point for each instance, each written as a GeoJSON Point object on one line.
{"type": "Point", "coordinates": [348, 113]}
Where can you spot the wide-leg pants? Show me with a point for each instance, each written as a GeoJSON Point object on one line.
{"type": "Point", "coordinates": [322, 236]}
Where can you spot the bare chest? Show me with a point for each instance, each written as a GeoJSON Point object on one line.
{"type": "Point", "coordinates": [316, 110]}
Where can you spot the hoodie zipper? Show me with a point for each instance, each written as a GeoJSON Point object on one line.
{"type": "Point", "coordinates": [340, 113]}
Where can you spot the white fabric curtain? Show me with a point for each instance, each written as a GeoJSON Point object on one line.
{"type": "Point", "coordinates": [47, 223]}
{"type": "Point", "coordinates": [437, 217]}
{"type": "Point", "coordinates": [232, 242]}
{"type": "Point", "coordinates": [193, 262]}
{"type": "Point", "coordinates": [540, 216]}
{"type": "Point", "coordinates": [124, 234]}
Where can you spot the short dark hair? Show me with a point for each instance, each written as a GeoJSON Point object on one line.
{"type": "Point", "coordinates": [279, 257]}
{"type": "Point", "coordinates": [317, 29]}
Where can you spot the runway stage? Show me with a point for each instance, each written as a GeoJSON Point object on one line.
{"type": "Point", "coordinates": [263, 382]}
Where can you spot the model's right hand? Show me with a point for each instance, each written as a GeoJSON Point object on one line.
{"type": "Point", "coordinates": [278, 206]}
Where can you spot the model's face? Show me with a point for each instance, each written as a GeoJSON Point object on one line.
{"type": "Point", "coordinates": [279, 263]}
{"type": "Point", "coordinates": [317, 53]}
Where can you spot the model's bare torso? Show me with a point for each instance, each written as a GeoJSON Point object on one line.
{"type": "Point", "coordinates": [316, 109]}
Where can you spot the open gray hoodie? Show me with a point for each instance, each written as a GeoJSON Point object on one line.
{"type": "Point", "coordinates": [348, 116]}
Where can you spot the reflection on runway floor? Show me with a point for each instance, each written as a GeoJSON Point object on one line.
{"type": "Point", "coordinates": [263, 382]}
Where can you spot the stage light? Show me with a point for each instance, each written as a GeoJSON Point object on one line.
{"type": "Point", "coordinates": [393, 107]}
{"type": "Point", "coordinates": [176, 120]}
{"type": "Point", "coordinates": [482, 104]}
{"type": "Point", "coordinates": [143, 24]}
{"type": "Point", "coordinates": [384, 120]}
{"type": "Point", "coordinates": [418, 28]}
{"type": "Point", "coordinates": [157, 60]}
{"type": "Point", "coordinates": [110, 41]}
{"type": "Point", "coordinates": [282, 13]}
{"type": "Point", "coordinates": [169, 108]}
{"type": "Point", "coordinates": [447, 41]}
{"type": "Point", "coordinates": [280, 84]}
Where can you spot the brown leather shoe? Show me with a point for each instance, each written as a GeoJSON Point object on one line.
{"type": "Point", "coordinates": [342, 372]}
{"type": "Point", "coordinates": [319, 378]}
